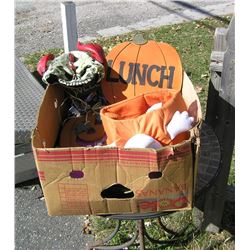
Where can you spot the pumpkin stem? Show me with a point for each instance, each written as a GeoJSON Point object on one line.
{"type": "Point", "coordinates": [139, 39]}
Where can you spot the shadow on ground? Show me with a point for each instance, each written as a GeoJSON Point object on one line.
{"type": "Point", "coordinates": [193, 8]}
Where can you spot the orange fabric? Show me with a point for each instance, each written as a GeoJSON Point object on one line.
{"type": "Point", "coordinates": [124, 119]}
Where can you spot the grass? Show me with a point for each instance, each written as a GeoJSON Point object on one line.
{"type": "Point", "coordinates": [194, 43]}
{"type": "Point", "coordinates": [102, 227]}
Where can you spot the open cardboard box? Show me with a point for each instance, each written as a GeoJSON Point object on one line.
{"type": "Point", "coordinates": [135, 169]}
{"type": "Point", "coordinates": [89, 180]}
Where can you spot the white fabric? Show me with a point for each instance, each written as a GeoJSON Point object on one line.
{"type": "Point", "coordinates": [142, 141]}
{"type": "Point", "coordinates": [179, 123]}
{"type": "Point", "coordinates": [154, 107]}
{"type": "Point", "coordinates": [113, 144]}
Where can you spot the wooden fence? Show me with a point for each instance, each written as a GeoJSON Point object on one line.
{"type": "Point", "coordinates": [220, 115]}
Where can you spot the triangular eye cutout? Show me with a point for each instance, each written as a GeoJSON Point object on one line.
{"type": "Point", "coordinates": [117, 191]}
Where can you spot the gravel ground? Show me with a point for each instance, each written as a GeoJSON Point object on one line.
{"type": "Point", "coordinates": [38, 23]}
{"type": "Point", "coordinates": [34, 229]}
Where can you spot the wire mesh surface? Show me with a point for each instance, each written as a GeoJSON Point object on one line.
{"type": "Point", "coordinates": [28, 95]}
{"type": "Point", "coordinates": [209, 161]}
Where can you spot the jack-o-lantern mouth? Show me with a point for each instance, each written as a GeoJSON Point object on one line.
{"type": "Point", "coordinates": [74, 82]}
{"type": "Point", "coordinates": [82, 143]}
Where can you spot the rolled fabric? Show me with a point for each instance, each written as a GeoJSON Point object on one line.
{"type": "Point", "coordinates": [142, 141]}
{"type": "Point", "coordinates": [154, 107]}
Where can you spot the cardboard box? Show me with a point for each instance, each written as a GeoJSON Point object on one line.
{"type": "Point", "coordinates": [81, 180]}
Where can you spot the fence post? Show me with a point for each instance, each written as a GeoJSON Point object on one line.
{"type": "Point", "coordinates": [69, 25]}
{"type": "Point", "coordinates": [220, 115]}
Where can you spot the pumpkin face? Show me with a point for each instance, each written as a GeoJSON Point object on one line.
{"type": "Point", "coordinates": [77, 132]}
{"type": "Point", "coordinates": [136, 68]}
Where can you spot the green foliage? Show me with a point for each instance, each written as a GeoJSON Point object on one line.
{"type": "Point", "coordinates": [31, 60]}
{"type": "Point", "coordinates": [231, 177]}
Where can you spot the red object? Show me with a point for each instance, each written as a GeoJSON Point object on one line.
{"type": "Point", "coordinates": [71, 62]}
{"type": "Point", "coordinates": [42, 64]}
{"type": "Point", "coordinates": [94, 49]}
{"type": "Point", "coordinates": [71, 57]}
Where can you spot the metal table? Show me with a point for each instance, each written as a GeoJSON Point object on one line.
{"type": "Point", "coordinates": [208, 169]}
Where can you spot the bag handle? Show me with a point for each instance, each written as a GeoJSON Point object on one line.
{"type": "Point", "coordinates": [42, 64]}
{"type": "Point", "coordinates": [94, 49]}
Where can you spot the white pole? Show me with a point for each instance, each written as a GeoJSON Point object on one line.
{"type": "Point", "coordinates": [69, 25]}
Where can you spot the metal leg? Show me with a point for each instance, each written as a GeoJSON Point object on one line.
{"type": "Point", "coordinates": [140, 225]}
{"type": "Point", "coordinates": [185, 235]}
{"type": "Point", "coordinates": [108, 238]}
{"type": "Point", "coordinates": [175, 234]}
{"type": "Point", "coordinates": [100, 245]}
{"type": "Point", "coordinates": [169, 231]}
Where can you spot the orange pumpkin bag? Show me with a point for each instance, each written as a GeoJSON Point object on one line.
{"type": "Point", "coordinates": [141, 66]}
{"type": "Point", "coordinates": [124, 119]}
